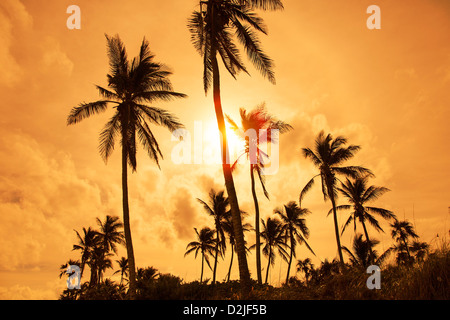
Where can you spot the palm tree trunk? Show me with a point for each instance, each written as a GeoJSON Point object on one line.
{"type": "Point", "coordinates": [126, 221]}
{"type": "Point", "coordinates": [215, 258]}
{"type": "Point", "coordinates": [257, 232]}
{"type": "Point", "coordinates": [244, 273]}
{"type": "Point", "coordinates": [231, 263]}
{"type": "Point", "coordinates": [290, 257]}
{"type": "Point", "coordinates": [336, 225]}
{"type": "Point", "coordinates": [268, 265]}
{"type": "Point", "coordinates": [371, 258]}
{"type": "Point", "coordinates": [201, 274]}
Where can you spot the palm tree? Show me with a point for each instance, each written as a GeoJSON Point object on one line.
{"type": "Point", "coordinates": [420, 250]}
{"type": "Point", "coordinates": [358, 194]}
{"type": "Point", "coordinates": [205, 243]}
{"type": "Point", "coordinates": [218, 208]}
{"type": "Point", "coordinates": [363, 254]}
{"type": "Point", "coordinates": [293, 228]}
{"type": "Point", "coordinates": [63, 267]}
{"type": "Point", "coordinates": [131, 86]}
{"type": "Point", "coordinates": [123, 268]}
{"type": "Point", "coordinates": [86, 244]}
{"type": "Point", "coordinates": [212, 28]}
{"type": "Point", "coordinates": [306, 267]}
{"type": "Point", "coordinates": [401, 232]}
{"type": "Point", "coordinates": [272, 234]}
{"type": "Point", "coordinates": [109, 233]}
{"type": "Point", "coordinates": [256, 121]}
{"type": "Point", "coordinates": [328, 155]}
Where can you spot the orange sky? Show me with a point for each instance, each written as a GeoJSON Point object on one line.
{"type": "Point", "coordinates": [386, 90]}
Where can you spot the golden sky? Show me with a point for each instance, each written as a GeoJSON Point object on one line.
{"type": "Point", "coordinates": [386, 90]}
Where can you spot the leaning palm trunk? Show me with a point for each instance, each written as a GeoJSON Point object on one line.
{"type": "Point", "coordinates": [244, 273]}
{"type": "Point", "coordinates": [291, 236]}
{"type": "Point", "coordinates": [336, 225]}
{"type": "Point", "coordinates": [257, 231]}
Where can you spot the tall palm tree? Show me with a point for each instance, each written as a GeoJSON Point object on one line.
{"type": "Point", "coordinates": [212, 28]}
{"type": "Point", "coordinates": [272, 235]}
{"type": "Point", "coordinates": [401, 232]}
{"type": "Point", "coordinates": [218, 208]}
{"type": "Point", "coordinates": [123, 268]}
{"type": "Point", "coordinates": [256, 121]}
{"type": "Point", "coordinates": [294, 228]}
{"type": "Point", "coordinates": [327, 156]}
{"type": "Point", "coordinates": [131, 86]}
{"type": "Point", "coordinates": [205, 243]}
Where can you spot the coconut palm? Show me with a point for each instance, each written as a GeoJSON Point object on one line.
{"type": "Point", "coordinates": [205, 243]}
{"type": "Point", "coordinates": [358, 194]}
{"type": "Point", "coordinates": [293, 228]}
{"type": "Point", "coordinates": [272, 235]}
{"type": "Point", "coordinates": [327, 156]}
{"type": "Point", "coordinates": [123, 268]}
{"type": "Point", "coordinates": [109, 233]}
{"type": "Point", "coordinates": [212, 28]}
{"type": "Point", "coordinates": [401, 232]}
{"type": "Point", "coordinates": [419, 250]}
{"type": "Point", "coordinates": [306, 267]}
{"type": "Point", "coordinates": [256, 128]}
{"type": "Point", "coordinates": [87, 242]}
{"type": "Point", "coordinates": [218, 208]}
{"type": "Point", "coordinates": [132, 85]}
{"type": "Point", "coordinates": [363, 254]}
{"type": "Point", "coordinates": [63, 267]}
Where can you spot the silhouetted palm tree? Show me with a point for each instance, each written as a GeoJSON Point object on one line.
{"type": "Point", "coordinates": [109, 233]}
{"type": "Point", "coordinates": [419, 250]}
{"type": "Point", "coordinates": [205, 243]}
{"type": "Point", "coordinates": [327, 156]}
{"type": "Point", "coordinates": [401, 232]}
{"type": "Point", "coordinates": [256, 128]}
{"type": "Point", "coordinates": [218, 208]}
{"type": "Point", "coordinates": [358, 194]}
{"type": "Point", "coordinates": [212, 28]}
{"type": "Point", "coordinates": [306, 267]}
{"type": "Point", "coordinates": [123, 268]}
{"type": "Point", "coordinates": [131, 86]}
{"type": "Point", "coordinates": [63, 267]}
{"type": "Point", "coordinates": [293, 228]}
{"type": "Point", "coordinates": [272, 235]}
{"type": "Point", "coordinates": [86, 244]}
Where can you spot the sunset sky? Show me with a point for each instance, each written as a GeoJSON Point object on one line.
{"type": "Point", "coordinates": [386, 90]}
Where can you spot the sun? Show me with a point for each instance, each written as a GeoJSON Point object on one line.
{"type": "Point", "coordinates": [211, 140]}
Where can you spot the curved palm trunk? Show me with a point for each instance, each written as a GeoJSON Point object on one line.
{"type": "Point", "coordinates": [126, 222]}
{"type": "Point", "coordinates": [371, 257]}
{"type": "Point", "coordinates": [257, 231]}
{"type": "Point", "coordinates": [336, 225]}
{"type": "Point", "coordinates": [231, 263]}
{"type": "Point", "coordinates": [201, 274]}
{"type": "Point", "coordinates": [244, 273]}
{"type": "Point", "coordinates": [215, 258]}
{"type": "Point", "coordinates": [290, 256]}
{"type": "Point", "coordinates": [268, 266]}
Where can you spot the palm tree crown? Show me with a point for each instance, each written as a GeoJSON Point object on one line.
{"type": "Point", "coordinates": [358, 194]}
